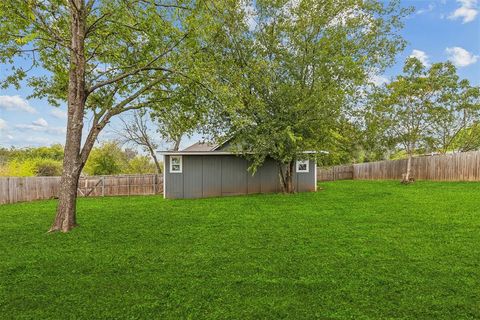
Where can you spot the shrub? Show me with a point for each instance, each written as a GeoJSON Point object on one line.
{"type": "Point", "coordinates": [48, 167]}
{"type": "Point", "coordinates": [141, 165]}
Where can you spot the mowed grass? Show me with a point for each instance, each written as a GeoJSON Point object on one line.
{"type": "Point", "coordinates": [355, 249]}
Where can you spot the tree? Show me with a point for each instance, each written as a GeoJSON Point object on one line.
{"type": "Point", "coordinates": [292, 66]}
{"type": "Point", "coordinates": [107, 159]}
{"type": "Point", "coordinates": [138, 133]}
{"type": "Point", "coordinates": [101, 57]}
{"type": "Point", "coordinates": [141, 165]}
{"type": "Point", "coordinates": [456, 119]}
{"type": "Point", "coordinates": [419, 107]}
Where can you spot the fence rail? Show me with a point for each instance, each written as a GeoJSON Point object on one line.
{"type": "Point", "coordinates": [451, 167]}
{"type": "Point", "coordinates": [335, 173]}
{"type": "Point", "coordinates": [17, 189]}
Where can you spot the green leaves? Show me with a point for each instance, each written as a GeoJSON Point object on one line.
{"type": "Point", "coordinates": [294, 66]}
{"type": "Point", "coordinates": [427, 109]}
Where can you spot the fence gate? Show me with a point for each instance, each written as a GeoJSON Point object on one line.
{"type": "Point", "coordinates": [91, 186]}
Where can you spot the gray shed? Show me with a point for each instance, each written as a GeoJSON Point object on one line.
{"type": "Point", "coordinates": [206, 170]}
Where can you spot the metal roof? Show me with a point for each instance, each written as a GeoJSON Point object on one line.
{"type": "Point", "coordinates": [201, 146]}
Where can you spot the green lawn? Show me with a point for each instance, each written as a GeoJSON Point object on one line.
{"type": "Point", "coordinates": [357, 250]}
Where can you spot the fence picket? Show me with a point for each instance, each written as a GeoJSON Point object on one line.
{"type": "Point", "coordinates": [18, 189]}
{"type": "Point", "coordinates": [452, 167]}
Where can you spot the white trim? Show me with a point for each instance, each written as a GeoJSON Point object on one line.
{"type": "Point", "coordinates": [207, 153]}
{"type": "Point", "coordinates": [164, 182]}
{"type": "Point", "coordinates": [315, 164]}
{"type": "Point", "coordinates": [180, 163]}
{"type": "Point", "coordinates": [298, 162]}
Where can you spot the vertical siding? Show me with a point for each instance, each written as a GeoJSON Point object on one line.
{"type": "Point", "coordinates": [216, 175]}
{"type": "Point", "coordinates": [234, 175]}
{"type": "Point", "coordinates": [192, 177]}
{"type": "Point", "coordinates": [173, 187]}
{"type": "Point", "coordinates": [305, 181]}
{"type": "Point", "coordinates": [269, 177]}
{"type": "Point", "coordinates": [212, 180]}
{"type": "Point", "coordinates": [254, 182]}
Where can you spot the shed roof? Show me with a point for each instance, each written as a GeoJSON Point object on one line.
{"type": "Point", "coordinates": [206, 148]}
{"type": "Point", "coordinates": [201, 146]}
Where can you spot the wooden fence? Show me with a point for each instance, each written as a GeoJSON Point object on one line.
{"type": "Point", "coordinates": [17, 189]}
{"type": "Point", "coordinates": [335, 173]}
{"type": "Point", "coordinates": [451, 167]}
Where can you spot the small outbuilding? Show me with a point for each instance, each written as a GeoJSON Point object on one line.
{"type": "Point", "coordinates": [206, 170]}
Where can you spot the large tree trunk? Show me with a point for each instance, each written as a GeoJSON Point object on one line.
{"type": "Point", "coordinates": [407, 176]}
{"type": "Point", "coordinates": [286, 178]}
{"type": "Point", "coordinates": [65, 219]}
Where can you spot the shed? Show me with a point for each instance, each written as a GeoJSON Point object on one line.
{"type": "Point", "coordinates": [207, 170]}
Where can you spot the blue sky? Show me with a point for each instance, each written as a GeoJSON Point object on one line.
{"type": "Point", "coordinates": [436, 31]}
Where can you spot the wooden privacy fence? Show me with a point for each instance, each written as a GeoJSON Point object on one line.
{"type": "Point", "coordinates": [17, 189]}
{"type": "Point", "coordinates": [451, 167]}
{"type": "Point", "coordinates": [335, 173]}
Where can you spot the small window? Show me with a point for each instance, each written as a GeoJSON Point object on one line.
{"type": "Point", "coordinates": [302, 165]}
{"type": "Point", "coordinates": [176, 164]}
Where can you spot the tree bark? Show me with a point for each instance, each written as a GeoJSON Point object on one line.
{"type": "Point", "coordinates": [407, 177]}
{"type": "Point", "coordinates": [286, 178]}
{"type": "Point", "coordinates": [155, 159]}
{"type": "Point", "coordinates": [65, 219]}
{"type": "Point", "coordinates": [176, 144]}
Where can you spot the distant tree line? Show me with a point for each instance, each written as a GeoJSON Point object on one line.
{"type": "Point", "coordinates": [108, 158]}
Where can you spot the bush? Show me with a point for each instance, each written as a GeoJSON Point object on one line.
{"type": "Point", "coordinates": [48, 167]}
{"type": "Point", "coordinates": [107, 159]}
{"type": "Point", "coordinates": [141, 165]}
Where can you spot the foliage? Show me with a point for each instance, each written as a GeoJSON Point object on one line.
{"type": "Point", "coordinates": [354, 250]}
{"type": "Point", "coordinates": [27, 167]}
{"type": "Point", "coordinates": [106, 159]}
{"type": "Point", "coordinates": [141, 165]}
{"type": "Point", "coordinates": [54, 152]}
{"type": "Point", "coordinates": [426, 110]}
{"type": "Point", "coordinates": [48, 167]}
{"type": "Point", "coordinates": [20, 168]}
{"type": "Point", "coordinates": [294, 66]}
{"type": "Point", "coordinates": [109, 158]}
{"type": "Point", "coordinates": [136, 131]}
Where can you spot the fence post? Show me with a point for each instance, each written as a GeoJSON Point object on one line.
{"type": "Point", "coordinates": [103, 186]}
{"type": "Point", "coordinates": [128, 183]}
{"type": "Point", "coordinates": [155, 184]}
{"type": "Point", "coordinates": [8, 190]}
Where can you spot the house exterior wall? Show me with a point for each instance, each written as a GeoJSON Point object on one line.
{"type": "Point", "coordinates": [225, 175]}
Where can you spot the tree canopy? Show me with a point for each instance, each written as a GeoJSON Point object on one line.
{"type": "Point", "coordinates": [294, 66]}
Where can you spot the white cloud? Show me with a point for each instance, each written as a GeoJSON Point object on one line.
{"type": "Point", "coordinates": [39, 128]}
{"type": "Point", "coordinates": [378, 80]}
{"type": "Point", "coordinates": [430, 8]}
{"type": "Point", "coordinates": [59, 114]}
{"type": "Point", "coordinates": [420, 55]}
{"type": "Point", "coordinates": [15, 103]}
{"type": "Point", "coordinates": [467, 11]}
{"type": "Point", "coordinates": [461, 57]}
{"type": "Point", "coordinates": [40, 122]}
{"type": "Point", "coordinates": [3, 124]}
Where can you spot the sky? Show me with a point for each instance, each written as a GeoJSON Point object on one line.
{"type": "Point", "coordinates": [437, 31]}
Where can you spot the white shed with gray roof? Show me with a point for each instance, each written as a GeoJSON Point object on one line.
{"type": "Point", "coordinates": [207, 170]}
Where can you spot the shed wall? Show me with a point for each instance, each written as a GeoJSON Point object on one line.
{"type": "Point", "coordinates": [224, 175]}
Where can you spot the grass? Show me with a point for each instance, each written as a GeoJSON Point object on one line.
{"type": "Point", "coordinates": [356, 250]}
